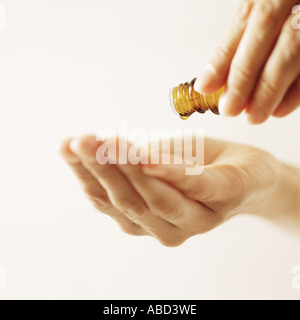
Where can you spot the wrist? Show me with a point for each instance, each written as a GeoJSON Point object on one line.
{"type": "Point", "coordinates": [284, 204]}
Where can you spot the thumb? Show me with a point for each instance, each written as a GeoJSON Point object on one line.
{"type": "Point", "coordinates": [216, 182]}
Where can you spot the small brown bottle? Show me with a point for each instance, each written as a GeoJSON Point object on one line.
{"type": "Point", "coordinates": [185, 100]}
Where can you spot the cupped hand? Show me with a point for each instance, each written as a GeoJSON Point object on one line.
{"type": "Point", "coordinates": [259, 61]}
{"type": "Point", "coordinates": [162, 201]}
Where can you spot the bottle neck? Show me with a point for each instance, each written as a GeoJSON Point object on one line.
{"type": "Point", "coordinates": [186, 100]}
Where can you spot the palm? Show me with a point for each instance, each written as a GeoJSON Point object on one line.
{"type": "Point", "coordinates": [161, 200]}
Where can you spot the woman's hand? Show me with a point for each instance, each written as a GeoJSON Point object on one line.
{"type": "Point", "coordinates": [163, 202]}
{"type": "Point", "coordinates": [259, 61]}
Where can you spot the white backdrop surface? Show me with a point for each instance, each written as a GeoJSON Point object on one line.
{"type": "Point", "coordinates": [73, 67]}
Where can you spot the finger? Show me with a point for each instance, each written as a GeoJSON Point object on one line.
{"type": "Point", "coordinates": [182, 146]}
{"type": "Point", "coordinates": [263, 28]}
{"type": "Point", "coordinates": [215, 73]}
{"type": "Point", "coordinates": [162, 199]}
{"type": "Point", "coordinates": [95, 192]}
{"type": "Point", "coordinates": [280, 72]}
{"type": "Point", "coordinates": [290, 102]}
{"type": "Point", "coordinates": [120, 192]}
{"type": "Point", "coordinates": [171, 205]}
{"type": "Point", "coordinates": [91, 186]}
{"type": "Point", "coordinates": [216, 183]}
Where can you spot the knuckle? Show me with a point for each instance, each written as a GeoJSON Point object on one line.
{"type": "Point", "coordinates": [291, 44]}
{"type": "Point", "coordinates": [164, 208]}
{"type": "Point", "coordinates": [121, 203]}
{"type": "Point", "coordinates": [127, 205]}
{"type": "Point", "coordinates": [240, 74]}
{"type": "Point", "coordinates": [266, 12]}
{"type": "Point", "coordinates": [221, 53]}
{"type": "Point", "coordinates": [267, 89]}
{"type": "Point", "coordinates": [161, 207]}
{"type": "Point", "coordinates": [100, 202]}
{"type": "Point", "coordinates": [244, 10]}
{"type": "Point", "coordinates": [198, 192]}
{"type": "Point", "coordinates": [237, 178]}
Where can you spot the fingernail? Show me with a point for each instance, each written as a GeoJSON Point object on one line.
{"type": "Point", "coordinates": [257, 119]}
{"type": "Point", "coordinates": [246, 118]}
{"type": "Point", "coordinates": [223, 104]}
{"type": "Point", "coordinates": [250, 119]}
{"type": "Point", "coordinates": [230, 104]}
{"type": "Point", "coordinates": [207, 75]}
{"type": "Point", "coordinates": [74, 145]}
{"type": "Point", "coordinates": [256, 114]}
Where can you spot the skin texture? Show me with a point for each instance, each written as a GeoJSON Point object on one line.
{"type": "Point", "coordinates": [258, 62]}
{"type": "Point", "coordinates": [163, 202]}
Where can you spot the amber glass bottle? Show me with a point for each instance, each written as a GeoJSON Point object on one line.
{"type": "Point", "coordinates": [185, 100]}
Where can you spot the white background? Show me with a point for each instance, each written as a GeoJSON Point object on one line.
{"type": "Point", "coordinates": [74, 67]}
